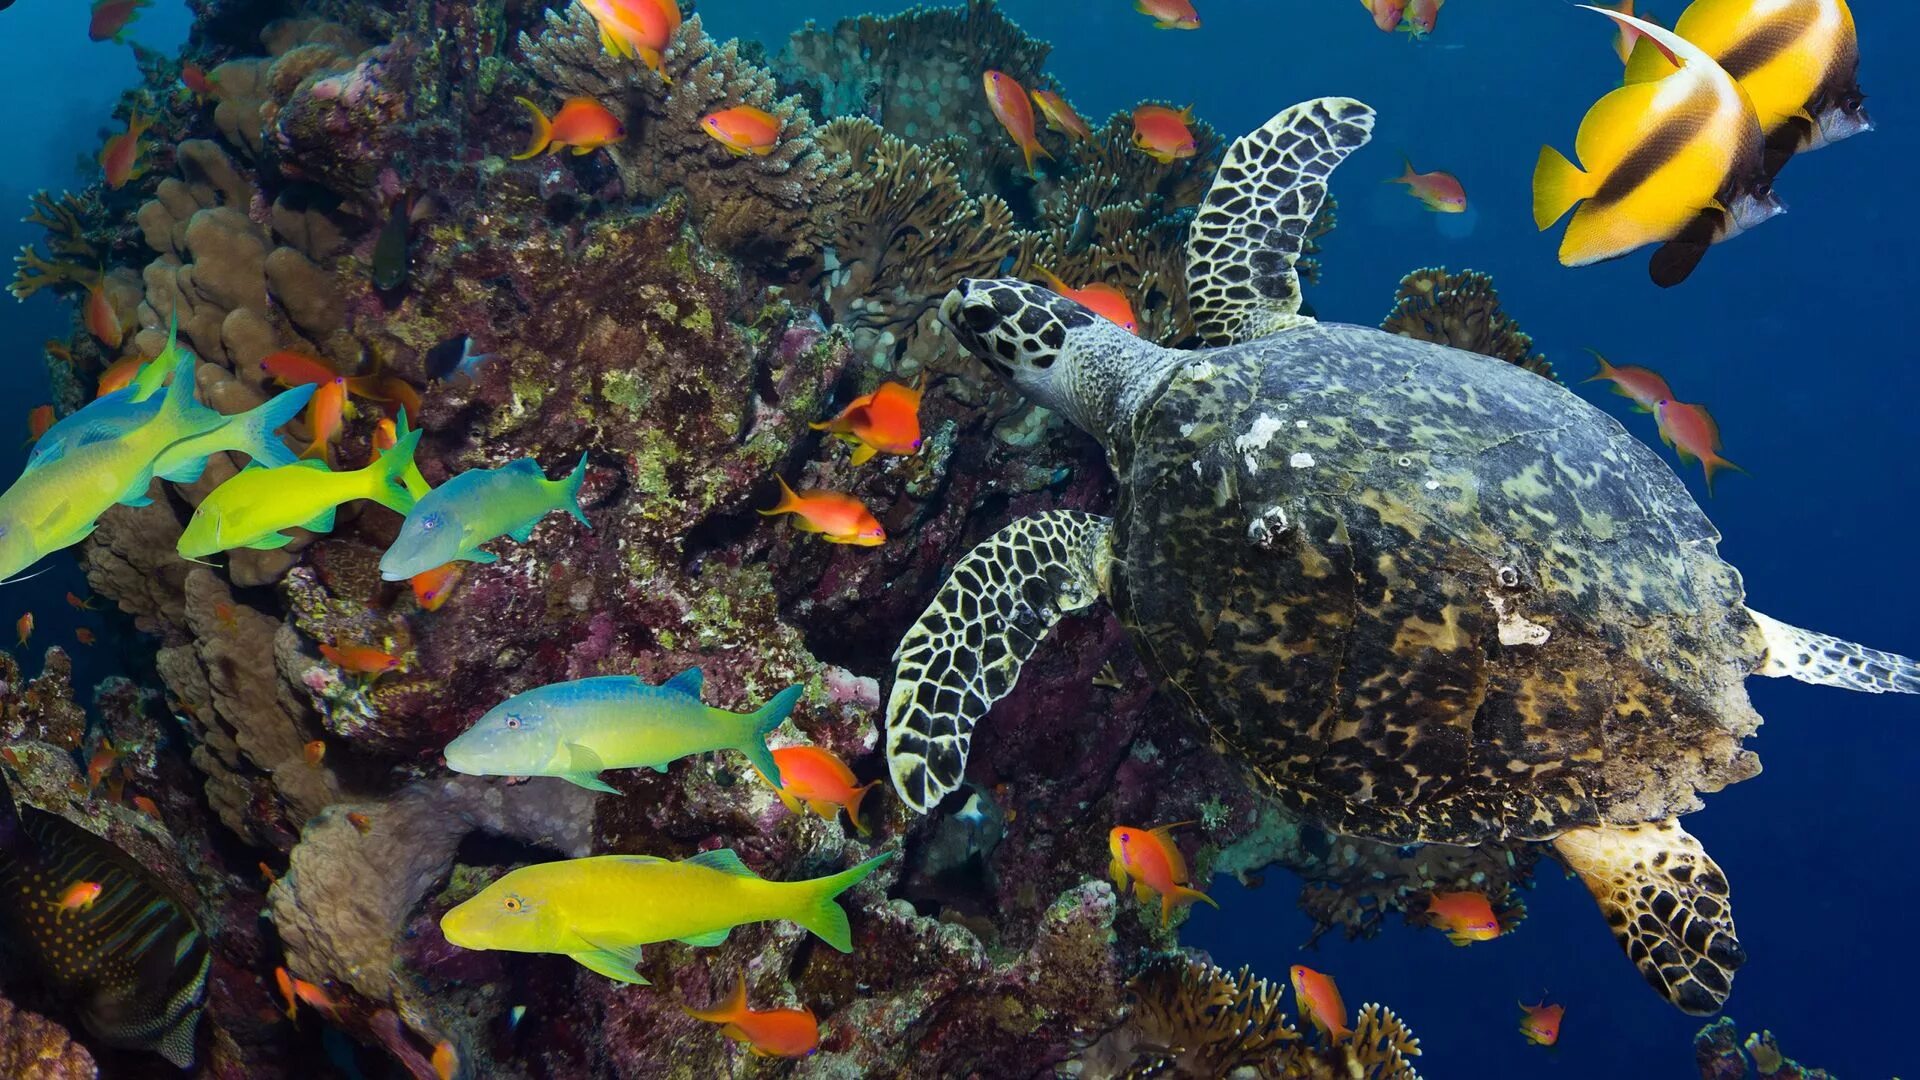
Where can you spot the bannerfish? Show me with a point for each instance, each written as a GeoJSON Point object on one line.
{"type": "Point", "coordinates": [476, 507]}
{"type": "Point", "coordinates": [1162, 133]}
{"type": "Point", "coordinates": [120, 158]}
{"type": "Point", "coordinates": [638, 29]}
{"type": "Point", "coordinates": [133, 962]}
{"type": "Point", "coordinates": [1541, 1023]}
{"type": "Point", "coordinates": [887, 421]}
{"type": "Point", "coordinates": [1060, 115]}
{"type": "Point", "coordinates": [576, 730]}
{"type": "Point", "coordinates": [255, 507]}
{"type": "Point", "coordinates": [1317, 1000]}
{"type": "Point", "coordinates": [1690, 430]}
{"type": "Point", "coordinates": [1150, 861]}
{"type": "Point", "coordinates": [1008, 100]}
{"type": "Point", "coordinates": [744, 130]}
{"type": "Point", "coordinates": [1643, 385]}
{"type": "Point", "coordinates": [1104, 300]}
{"type": "Point", "coordinates": [786, 1033]}
{"type": "Point", "coordinates": [454, 356]}
{"type": "Point", "coordinates": [601, 911]}
{"type": "Point", "coordinates": [839, 518]}
{"type": "Point", "coordinates": [1654, 157]}
{"type": "Point", "coordinates": [109, 18]}
{"type": "Point", "coordinates": [1438, 191]}
{"type": "Point", "coordinates": [582, 123]}
{"type": "Point", "coordinates": [816, 778]}
{"type": "Point", "coordinates": [1169, 14]}
{"type": "Point", "coordinates": [1466, 917]}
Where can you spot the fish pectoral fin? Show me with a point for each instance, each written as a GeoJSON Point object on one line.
{"type": "Point", "coordinates": [477, 555]}
{"type": "Point", "coordinates": [270, 542]}
{"type": "Point", "coordinates": [615, 964]}
{"type": "Point", "coordinates": [823, 809]}
{"type": "Point", "coordinates": [524, 533]}
{"type": "Point", "coordinates": [864, 454]}
{"type": "Point", "coordinates": [1142, 891]}
{"type": "Point", "coordinates": [707, 941]}
{"type": "Point", "coordinates": [590, 782]}
{"type": "Point", "coordinates": [583, 759]}
{"type": "Point", "coordinates": [137, 499]}
{"type": "Point", "coordinates": [724, 860]}
{"type": "Point", "coordinates": [322, 522]}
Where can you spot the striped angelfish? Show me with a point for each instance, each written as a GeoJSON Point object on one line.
{"type": "Point", "coordinates": [132, 961]}
{"type": "Point", "coordinates": [1677, 159]}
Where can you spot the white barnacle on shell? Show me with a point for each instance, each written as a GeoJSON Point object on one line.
{"type": "Point", "coordinates": [1301, 460]}
{"type": "Point", "coordinates": [1515, 628]}
{"type": "Point", "coordinates": [1199, 371]}
{"type": "Point", "coordinates": [1268, 526]}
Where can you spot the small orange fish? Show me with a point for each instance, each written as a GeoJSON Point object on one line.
{"type": "Point", "coordinates": [38, 421]}
{"type": "Point", "coordinates": [25, 627]}
{"type": "Point", "coordinates": [388, 389]}
{"type": "Point", "coordinates": [1008, 100]}
{"type": "Point", "coordinates": [1162, 133]}
{"type": "Point", "coordinates": [78, 604]}
{"type": "Point", "coordinates": [195, 78]}
{"type": "Point", "coordinates": [120, 158]}
{"type": "Point", "coordinates": [59, 350]}
{"type": "Point", "coordinates": [446, 1064]}
{"type": "Point", "coordinates": [227, 616]}
{"type": "Point", "coordinates": [744, 130]}
{"type": "Point", "coordinates": [1541, 1023]}
{"type": "Point", "coordinates": [433, 587]}
{"type": "Point", "coordinates": [1060, 115]}
{"type": "Point", "coordinates": [109, 18]}
{"type": "Point", "coordinates": [297, 369]}
{"type": "Point", "coordinates": [1644, 386]}
{"type": "Point", "coordinates": [7, 755]}
{"type": "Point", "coordinates": [885, 421]}
{"type": "Point", "coordinates": [317, 997]}
{"type": "Point", "coordinates": [637, 28]}
{"type": "Point", "coordinates": [104, 758]}
{"type": "Point", "coordinates": [1423, 16]}
{"type": "Point", "coordinates": [360, 822]}
{"type": "Point", "coordinates": [1386, 13]}
{"type": "Point", "coordinates": [1316, 999]}
{"type": "Point", "coordinates": [787, 1033]}
{"type": "Point", "coordinates": [1151, 861]}
{"type": "Point", "coordinates": [1102, 299]}
{"type": "Point", "coordinates": [316, 752]}
{"type": "Point", "coordinates": [103, 322]}
{"type": "Point", "coordinates": [1169, 14]}
{"type": "Point", "coordinates": [267, 875]}
{"type": "Point", "coordinates": [83, 635]}
{"type": "Point", "coordinates": [360, 659]}
{"type": "Point", "coordinates": [79, 896]}
{"type": "Point", "coordinates": [118, 376]}
{"type": "Point", "coordinates": [147, 806]}
{"type": "Point", "coordinates": [582, 123]}
{"type": "Point", "coordinates": [838, 518]}
{"type": "Point", "coordinates": [285, 982]}
{"type": "Point", "coordinates": [819, 780]}
{"type": "Point", "coordinates": [385, 436]}
{"type": "Point", "coordinates": [1438, 191]}
{"type": "Point", "coordinates": [1467, 917]}
{"type": "Point", "coordinates": [325, 414]}
{"type": "Point", "coordinates": [1693, 435]}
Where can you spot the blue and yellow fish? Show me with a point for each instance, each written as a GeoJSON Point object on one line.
{"type": "Point", "coordinates": [451, 522]}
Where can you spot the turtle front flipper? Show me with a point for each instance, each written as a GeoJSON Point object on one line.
{"type": "Point", "coordinates": [1667, 903]}
{"type": "Point", "coordinates": [1253, 224]}
{"type": "Point", "coordinates": [965, 652]}
{"type": "Point", "coordinates": [1823, 660]}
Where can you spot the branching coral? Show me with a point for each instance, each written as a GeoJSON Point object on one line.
{"type": "Point", "coordinates": [1720, 1054]}
{"type": "Point", "coordinates": [1462, 310]}
{"type": "Point", "coordinates": [76, 257]}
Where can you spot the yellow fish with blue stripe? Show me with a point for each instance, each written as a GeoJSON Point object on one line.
{"type": "Point", "coordinates": [600, 911]}
{"type": "Point", "coordinates": [255, 507]}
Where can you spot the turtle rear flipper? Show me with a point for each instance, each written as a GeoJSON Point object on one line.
{"type": "Point", "coordinates": [965, 651]}
{"type": "Point", "coordinates": [1828, 661]}
{"type": "Point", "coordinates": [1666, 902]}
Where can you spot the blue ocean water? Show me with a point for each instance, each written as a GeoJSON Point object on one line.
{"type": "Point", "coordinates": [1794, 335]}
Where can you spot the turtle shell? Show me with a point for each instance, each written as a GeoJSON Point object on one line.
{"type": "Point", "coordinates": [1428, 595]}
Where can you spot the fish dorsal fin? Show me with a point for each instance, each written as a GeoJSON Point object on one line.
{"type": "Point", "coordinates": [524, 466]}
{"type": "Point", "coordinates": [724, 860]}
{"type": "Point", "coordinates": [709, 940]}
{"type": "Point", "coordinates": [639, 858]}
{"type": "Point", "coordinates": [688, 682]}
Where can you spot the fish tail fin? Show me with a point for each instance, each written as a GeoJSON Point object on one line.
{"type": "Point", "coordinates": [1026, 150]}
{"type": "Point", "coordinates": [387, 477]}
{"type": "Point", "coordinates": [1557, 185]}
{"type": "Point", "coordinates": [853, 806]}
{"type": "Point", "coordinates": [570, 491]}
{"type": "Point", "coordinates": [1606, 370]}
{"type": "Point", "coordinates": [819, 910]}
{"type": "Point", "coordinates": [789, 502]}
{"type": "Point", "coordinates": [760, 724]}
{"type": "Point", "coordinates": [1180, 896]}
{"type": "Point", "coordinates": [542, 135]}
{"type": "Point", "coordinates": [261, 427]}
{"type": "Point", "coordinates": [727, 1011]}
{"type": "Point", "coordinates": [1712, 462]}
{"type": "Point", "coordinates": [1406, 172]}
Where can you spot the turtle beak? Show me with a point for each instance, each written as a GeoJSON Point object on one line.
{"type": "Point", "coordinates": [950, 307]}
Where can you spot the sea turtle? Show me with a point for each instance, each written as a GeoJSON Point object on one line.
{"type": "Point", "coordinates": [1426, 595]}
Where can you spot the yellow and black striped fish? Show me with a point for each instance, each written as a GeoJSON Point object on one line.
{"type": "Point", "coordinates": [133, 962]}
{"type": "Point", "coordinates": [1655, 158]}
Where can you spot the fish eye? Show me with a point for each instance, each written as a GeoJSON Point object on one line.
{"type": "Point", "coordinates": [430, 522]}
{"type": "Point", "coordinates": [916, 446]}
{"type": "Point", "coordinates": [514, 721]}
{"type": "Point", "coordinates": [514, 903]}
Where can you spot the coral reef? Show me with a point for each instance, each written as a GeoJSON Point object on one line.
{"type": "Point", "coordinates": [76, 251]}
{"type": "Point", "coordinates": [1721, 1055]}
{"type": "Point", "coordinates": [1462, 310]}
{"type": "Point", "coordinates": [33, 1047]}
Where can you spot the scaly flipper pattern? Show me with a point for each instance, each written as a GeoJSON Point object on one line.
{"type": "Point", "coordinates": [1667, 904]}
{"type": "Point", "coordinates": [965, 651]}
{"type": "Point", "coordinates": [1241, 282]}
{"type": "Point", "coordinates": [1794, 653]}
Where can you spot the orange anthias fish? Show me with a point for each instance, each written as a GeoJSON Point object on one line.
{"type": "Point", "coordinates": [148, 807]}
{"type": "Point", "coordinates": [1386, 13]}
{"type": "Point", "coordinates": [1541, 1023]}
{"type": "Point", "coordinates": [1102, 299]}
{"type": "Point", "coordinates": [78, 604]}
{"type": "Point", "coordinates": [1162, 133]}
{"type": "Point", "coordinates": [385, 436]}
{"type": "Point", "coordinates": [1150, 861]}
{"type": "Point", "coordinates": [1169, 14]}
{"type": "Point", "coordinates": [1467, 917]}
{"type": "Point", "coordinates": [324, 414]}
{"type": "Point", "coordinates": [102, 321]}
{"type": "Point", "coordinates": [110, 18]}
{"type": "Point", "coordinates": [446, 1063]}
{"type": "Point", "coordinates": [1008, 100]}
{"type": "Point", "coordinates": [297, 369]}
{"type": "Point", "coordinates": [1438, 191]}
{"type": "Point", "coordinates": [1692, 434]}
{"type": "Point", "coordinates": [433, 587]}
{"type": "Point", "coordinates": [637, 28]}
{"type": "Point", "coordinates": [118, 376]}
{"type": "Point", "coordinates": [838, 518]}
{"type": "Point", "coordinates": [582, 123]}
{"type": "Point", "coordinates": [195, 78]}
{"type": "Point", "coordinates": [120, 158]}
{"type": "Point", "coordinates": [361, 823]}
{"type": "Point", "coordinates": [1316, 999]}
{"type": "Point", "coordinates": [1060, 115]}
{"type": "Point", "coordinates": [80, 896]}
{"type": "Point", "coordinates": [301, 990]}
{"type": "Point", "coordinates": [788, 1033]}
{"type": "Point", "coordinates": [360, 659]}
{"type": "Point", "coordinates": [25, 627]}
{"type": "Point", "coordinates": [886, 421]}
{"type": "Point", "coordinates": [744, 130]}
{"type": "Point", "coordinates": [285, 982]}
{"type": "Point", "coordinates": [226, 614]}
{"type": "Point", "coordinates": [102, 763]}
{"type": "Point", "coordinates": [1643, 385]}
{"type": "Point", "coordinates": [38, 421]}
{"type": "Point", "coordinates": [820, 781]}
{"type": "Point", "coordinates": [1423, 16]}
{"type": "Point", "coordinates": [316, 752]}
{"type": "Point", "coordinates": [83, 635]}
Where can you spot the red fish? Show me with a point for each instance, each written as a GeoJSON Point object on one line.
{"type": "Point", "coordinates": [227, 616]}
{"type": "Point", "coordinates": [388, 390]}
{"type": "Point", "coordinates": [1541, 1023]}
{"type": "Point", "coordinates": [118, 376]}
{"type": "Point", "coordinates": [1008, 100]}
{"type": "Point", "coordinates": [194, 78]}
{"type": "Point", "coordinates": [25, 627]}
{"type": "Point", "coordinates": [297, 369]}
{"type": "Point", "coordinates": [102, 321]}
{"type": "Point", "coordinates": [1693, 435]}
{"type": "Point", "coordinates": [38, 421]}
{"type": "Point", "coordinates": [1645, 387]}
{"type": "Point", "coordinates": [285, 982]}
{"type": "Point", "coordinates": [59, 350]}
{"type": "Point", "coordinates": [324, 416]}
{"type": "Point", "coordinates": [788, 1033]}
{"type": "Point", "coordinates": [316, 752]}
{"type": "Point", "coordinates": [1060, 115]}
{"type": "Point", "coordinates": [838, 518]}
{"type": "Point", "coordinates": [78, 604]}
{"type": "Point", "coordinates": [147, 806]}
{"type": "Point", "coordinates": [105, 758]}
{"type": "Point", "coordinates": [385, 437]}
{"type": "Point", "coordinates": [822, 782]}
{"type": "Point", "coordinates": [110, 18]}
{"type": "Point", "coordinates": [582, 123]}
{"type": "Point", "coordinates": [83, 635]}
{"type": "Point", "coordinates": [1317, 999]}
{"type": "Point", "coordinates": [1467, 917]}
{"type": "Point", "coordinates": [1102, 299]}
{"type": "Point", "coordinates": [361, 823]}
{"type": "Point", "coordinates": [1169, 14]}
{"type": "Point", "coordinates": [120, 158]}
{"type": "Point", "coordinates": [1386, 13]}
{"type": "Point", "coordinates": [637, 28]}
{"type": "Point", "coordinates": [1438, 191]}
{"type": "Point", "coordinates": [80, 896]}
{"type": "Point", "coordinates": [307, 992]}
{"type": "Point", "coordinates": [886, 421]}
{"type": "Point", "coordinates": [446, 1063]}
{"type": "Point", "coordinates": [744, 130]}
{"type": "Point", "coordinates": [432, 587]}
{"type": "Point", "coordinates": [360, 659]}
{"type": "Point", "coordinates": [1162, 133]}
{"type": "Point", "coordinates": [1151, 862]}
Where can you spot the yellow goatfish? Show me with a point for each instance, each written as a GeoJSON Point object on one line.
{"type": "Point", "coordinates": [255, 507]}
{"type": "Point", "coordinates": [601, 910]}
{"type": "Point", "coordinates": [1656, 156]}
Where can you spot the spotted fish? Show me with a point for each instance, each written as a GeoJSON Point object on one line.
{"type": "Point", "coordinates": [134, 962]}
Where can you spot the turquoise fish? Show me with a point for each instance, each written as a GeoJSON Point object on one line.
{"type": "Point", "coordinates": [574, 730]}
{"type": "Point", "coordinates": [478, 506]}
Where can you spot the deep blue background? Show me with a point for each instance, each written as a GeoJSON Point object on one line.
{"type": "Point", "coordinates": [1798, 336]}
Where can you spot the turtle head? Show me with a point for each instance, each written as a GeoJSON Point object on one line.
{"type": "Point", "coordinates": [1057, 352]}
